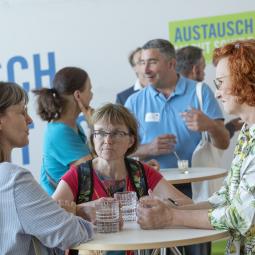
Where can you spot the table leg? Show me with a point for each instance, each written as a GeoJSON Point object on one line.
{"type": "Point", "coordinates": [162, 251]}
{"type": "Point", "coordinates": [156, 252]}
{"type": "Point", "coordinates": [175, 251]}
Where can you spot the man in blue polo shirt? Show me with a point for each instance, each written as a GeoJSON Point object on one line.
{"type": "Point", "coordinates": [167, 112]}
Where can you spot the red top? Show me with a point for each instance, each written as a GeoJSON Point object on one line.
{"type": "Point", "coordinates": [71, 178]}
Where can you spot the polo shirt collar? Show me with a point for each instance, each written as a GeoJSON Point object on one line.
{"type": "Point", "coordinates": [179, 89]}
{"type": "Point", "coordinates": [180, 86]}
{"type": "Point", "coordinates": [152, 90]}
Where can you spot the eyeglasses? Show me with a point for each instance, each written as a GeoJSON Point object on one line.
{"type": "Point", "coordinates": [115, 135]}
{"type": "Point", "coordinates": [218, 81]}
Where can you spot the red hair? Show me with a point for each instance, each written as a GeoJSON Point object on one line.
{"type": "Point", "coordinates": [241, 63]}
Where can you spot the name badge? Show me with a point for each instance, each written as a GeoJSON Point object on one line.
{"type": "Point", "coordinates": [152, 117]}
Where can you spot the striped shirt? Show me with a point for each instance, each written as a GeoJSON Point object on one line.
{"type": "Point", "coordinates": [27, 211]}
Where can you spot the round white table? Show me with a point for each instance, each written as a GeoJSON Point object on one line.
{"type": "Point", "coordinates": [195, 174]}
{"type": "Point", "coordinates": [134, 238]}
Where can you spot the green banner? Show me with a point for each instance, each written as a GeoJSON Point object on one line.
{"type": "Point", "coordinates": [212, 32]}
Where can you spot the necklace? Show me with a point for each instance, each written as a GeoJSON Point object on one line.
{"type": "Point", "coordinates": [111, 186]}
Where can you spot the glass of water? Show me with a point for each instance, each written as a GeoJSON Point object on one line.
{"type": "Point", "coordinates": [128, 204]}
{"type": "Point", "coordinates": [183, 166]}
{"type": "Point", "coordinates": [108, 215]}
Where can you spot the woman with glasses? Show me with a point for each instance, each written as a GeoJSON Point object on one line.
{"type": "Point", "coordinates": [28, 216]}
{"type": "Point", "coordinates": [232, 208]}
{"type": "Point", "coordinates": [114, 138]}
{"type": "Point", "coordinates": [64, 140]}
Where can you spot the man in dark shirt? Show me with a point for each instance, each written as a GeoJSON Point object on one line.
{"type": "Point", "coordinates": [134, 61]}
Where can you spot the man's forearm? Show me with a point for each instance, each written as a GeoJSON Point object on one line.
{"type": "Point", "coordinates": [142, 151]}
{"type": "Point", "coordinates": [198, 206]}
{"type": "Point", "coordinates": [191, 218]}
{"type": "Point", "coordinates": [219, 134]}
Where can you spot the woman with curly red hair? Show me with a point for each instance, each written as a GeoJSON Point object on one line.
{"type": "Point", "coordinates": [231, 208]}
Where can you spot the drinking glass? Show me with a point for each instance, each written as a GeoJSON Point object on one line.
{"type": "Point", "coordinates": [183, 166]}
{"type": "Point", "coordinates": [108, 215]}
{"type": "Point", "coordinates": [128, 204]}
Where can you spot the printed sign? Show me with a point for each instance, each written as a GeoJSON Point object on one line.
{"type": "Point", "coordinates": [212, 32]}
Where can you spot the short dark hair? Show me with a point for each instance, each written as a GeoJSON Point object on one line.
{"type": "Point", "coordinates": [164, 47]}
{"type": "Point", "coordinates": [186, 58]}
{"type": "Point", "coordinates": [131, 56]}
{"type": "Point", "coordinates": [51, 102]}
{"type": "Point", "coordinates": [117, 114]}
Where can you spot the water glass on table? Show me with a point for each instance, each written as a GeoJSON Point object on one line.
{"type": "Point", "coordinates": [183, 165]}
{"type": "Point", "coordinates": [128, 204]}
{"type": "Point", "coordinates": [108, 215]}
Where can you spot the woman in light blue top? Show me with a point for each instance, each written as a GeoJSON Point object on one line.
{"type": "Point", "coordinates": [64, 140]}
{"type": "Point", "coordinates": [27, 213]}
